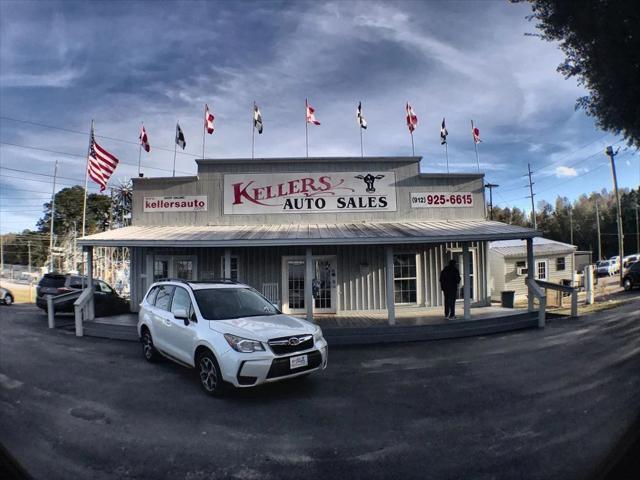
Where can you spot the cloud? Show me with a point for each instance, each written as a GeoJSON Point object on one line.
{"type": "Point", "coordinates": [566, 172]}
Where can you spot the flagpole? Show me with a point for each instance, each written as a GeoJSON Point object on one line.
{"type": "Point", "coordinates": [86, 183]}
{"type": "Point", "coordinates": [413, 151]}
{"type": "Point", "coordinates": [475, 144]}
{"type": "Point", "coordinates": [253, 129]}
{"type": "Point", "coordinates": [175, 147]}
{"type": "Point", "coordinates": [306, 125]}
{"type": "Point", "coordinates": [361, 145]}
{"type": "Point", "coordinates": [446, 155]}
{"type": "Point", "coordinates": [204, 130]}
{"type": "Point", "coordinates": [140, 155]}
{"type": "Point", "coordinates": [53, 215]}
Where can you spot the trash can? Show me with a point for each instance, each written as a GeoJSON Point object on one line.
{"type": "Point", "coordinates": [507, 297]}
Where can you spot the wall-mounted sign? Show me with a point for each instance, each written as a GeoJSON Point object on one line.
{"type": "Point", "coordinates": [189, 203]}
{"type": "Point", "coordinates": [266, 193]}
{"type": "Point", "coordinates": [441, 199]}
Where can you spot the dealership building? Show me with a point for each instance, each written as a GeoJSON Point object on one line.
{"type": "Point", "coordinates": [315, 235]}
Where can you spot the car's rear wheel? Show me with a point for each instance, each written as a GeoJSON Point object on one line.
{"type": "Point", "coordinates": [628, 284]}
{"type": "Point", "coordinates": [8, 300]}
{"type": "Point", "coordinates": [148, 350]}
{"type": "Point", "coordinates": [209, 374]}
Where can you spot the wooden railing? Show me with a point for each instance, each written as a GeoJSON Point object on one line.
{"type": "Point", "coordinates": [53, 300]}
{"type": "Point", "coordinates": [83, 310]}
{"type": "Point", "coordinates": [541, 295]}
{"type": "Point", "coordinates": [562, 289]}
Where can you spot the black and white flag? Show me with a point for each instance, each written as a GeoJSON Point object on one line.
{"type": "Point", "coordinates": [443, 133]}
{"type": "Point", "coordinates": [180, 137]}
{"type": "Point", "coordinates": [257, 118]}
{"type": "Point", "coordinates": [361, 120]}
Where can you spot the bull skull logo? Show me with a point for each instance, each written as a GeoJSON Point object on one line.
{"type": "Point", "coordinates": [369, 180]}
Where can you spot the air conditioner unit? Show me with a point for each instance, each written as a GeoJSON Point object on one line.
{"type": "Point", "coordinates": [522, 270]}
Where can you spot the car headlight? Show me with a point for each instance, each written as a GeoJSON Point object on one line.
{"type": "Point", "coordinates": [243, 345]}
{"type": "Point", "coordinates": [317, 335]}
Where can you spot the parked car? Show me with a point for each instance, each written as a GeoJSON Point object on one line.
{"type": "Point", "coordinates": [6, 297]}
{"type": "Point", "coordinates": [629, 259]}
{"type": "Point", "coordinates": [106, 300]}
{"type": "Point", "coordinates": [632, 277]}
{"type": "Point", "coordinates": [605, 267]}
{"type": "Point", "coordinates": [615, 261]}
{"type": "Point", "coordinates": [229, 333]}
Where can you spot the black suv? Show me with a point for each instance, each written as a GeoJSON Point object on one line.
{"type": "Point", "coordinates": [632, 277]}
{"type": "Point", "coordinates": [107, 301]}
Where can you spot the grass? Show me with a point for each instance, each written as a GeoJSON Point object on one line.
{"type": "Point", "coordinates": [21, 293]}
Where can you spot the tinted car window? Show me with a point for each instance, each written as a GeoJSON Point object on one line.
{"type": "Point", "coordinates": [226, 303]}
{"type": "Point", "coordinates": [105, 288]}
{"type": "Point", "coordinates": [52, 281]}
{"type": "Point", "coordinates": [181, 300]}
{"type": "Point", "coordinates": [151, 296]}
{"type": "Point", "coordinates": [75, 282]}
{"type": "Point", "coordinates": [163, 298]}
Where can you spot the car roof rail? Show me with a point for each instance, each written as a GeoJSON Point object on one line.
{"type": "Point", "coordinates": [223, 280]}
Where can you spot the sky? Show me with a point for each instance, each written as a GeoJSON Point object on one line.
{"type": "Point", "coordinates": [64, 64]}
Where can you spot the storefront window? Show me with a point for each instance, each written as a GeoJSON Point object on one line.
{"type": "Point", "coordinates": [235, 269]}
{"type": "Point", "coordinates": [160, 269]}
{"type": "Point", "coordinates": [404, 278]}
{"type": "Point", "coordinates": [184, 269]}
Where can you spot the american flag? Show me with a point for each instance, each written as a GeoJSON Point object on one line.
{"type": "Point", "coordinates": [101, 164]}
{"type": "Point", "coordinates": [311, 116]}
{"type": "Point", "coordinates": [208, 119]}
{"type": "Point", "coordinates": [412, 118]}
{"type": "Point", "coordinates": [475, 132]}
{"type": "Point", "coordinates": [144, 140]}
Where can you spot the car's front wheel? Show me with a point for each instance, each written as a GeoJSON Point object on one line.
{"type": "Point", "coordinates": [209, 374]}
{"type": "Point", "coordinates": [8, 300]}
{"type": "Point", "coordinates": [627, 284]}
{"type": "Point", "coordinates": [148, 350]}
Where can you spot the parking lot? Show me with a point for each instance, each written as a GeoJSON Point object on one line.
{"type": "Point", "coordinates": [546, 403]}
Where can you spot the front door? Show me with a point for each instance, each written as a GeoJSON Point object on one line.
{"type": "Point", "coordinates": [324, 284]}
{"type": "Point", "coordinates": [458, 257]}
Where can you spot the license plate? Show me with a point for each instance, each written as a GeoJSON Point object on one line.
{"type": "Point", "coordinates": [298, 362]}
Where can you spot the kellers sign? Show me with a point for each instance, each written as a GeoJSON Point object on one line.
{"type": "Point", "coordinates": [267, 193]}
{"type": "Point", "coordinates": [187, 203]}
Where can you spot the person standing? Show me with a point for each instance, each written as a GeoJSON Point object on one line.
{"type": "Point", "coordinates": [449, 280]}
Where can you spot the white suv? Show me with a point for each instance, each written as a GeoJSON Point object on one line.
{"type": "Point", "coordinates": [229, 332]}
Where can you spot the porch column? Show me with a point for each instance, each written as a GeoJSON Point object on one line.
{"type": "Point", "coordinates": [308, 283]}
{"type": "Point", "coordinates": [89, 250]}
{"type": "Point", "coordinates": [391, 305]}
{"type": "Point", "coordinates": [530, 273]}
{"type": "Point", "coordinates": [466, 281]}
{"type": "Point", "coordinates": [227, 263]}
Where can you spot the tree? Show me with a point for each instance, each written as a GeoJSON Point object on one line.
{"type": "Point", "coordinates": [601, 43]}
{"type": "Point", "coordinates": [68, 216]}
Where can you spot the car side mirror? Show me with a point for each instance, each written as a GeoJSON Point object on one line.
{"type": "Point", "coordinates": [181, 314]}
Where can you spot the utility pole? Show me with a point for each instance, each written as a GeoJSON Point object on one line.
{"type": "Point", "coordinates": [598, 227]}
{"type": "Point", "coordinates": [29, 250]}
{"type": "Point", "coordinates": [491, 186]}
{"type": "Point", "coordinates": [637, 231]}
{"type": "Point", "coordinates": [571, 222]}
{"type": "Point", "coordinates": [53, 216]}
{"type": "Point", "coordinates": [533, 208]}
{"type": "Point", "coordinates": [1, 255]}
{"type": "Point", "coordinates": [610, 153]}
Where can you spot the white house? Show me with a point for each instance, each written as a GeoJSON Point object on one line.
{"type": "Point", "coordinates": [554, 262]}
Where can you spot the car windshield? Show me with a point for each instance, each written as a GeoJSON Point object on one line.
{"type": "Point", "coordinates": [228, 303]}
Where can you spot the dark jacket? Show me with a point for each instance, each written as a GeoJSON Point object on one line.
{"type": "Point", "coordinates": [449, 278]}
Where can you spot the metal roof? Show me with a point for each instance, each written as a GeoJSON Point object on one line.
{"type": "Point", "coordinates": [296, 160]}
{"type": "Point", "coordinates": [541, 246]}
{"type": "Point", "coordinates": [313, 234]}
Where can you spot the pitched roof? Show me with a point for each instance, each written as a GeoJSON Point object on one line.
{"type": "Point", "coordinates": [541, 246]}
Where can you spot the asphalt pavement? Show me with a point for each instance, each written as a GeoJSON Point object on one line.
{"type": "Point", "coordinates": [533, 404]}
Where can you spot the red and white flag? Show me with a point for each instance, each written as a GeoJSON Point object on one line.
{"type": "Point", "coordinates": [476, 133]}
{"type": "Point", "coordinates": [101, 164]}
{"type": "Point", "coordinates": [208, 119]}
{"type": "Point", "coordinates": [412, 118]}
{"type": "Point", "coordinates": [311, 117]}
{"type": "Point", "coordinates": [144, 140]}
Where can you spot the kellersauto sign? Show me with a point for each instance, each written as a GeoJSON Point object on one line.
{"type": "Point", "coordinates": [251, 194]}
